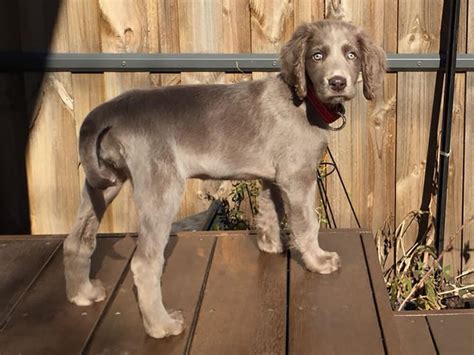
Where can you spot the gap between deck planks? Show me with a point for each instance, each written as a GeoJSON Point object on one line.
{"type": "Point", "coordinates": [234, 300]}
{"type": "Point", "coordinates": [45, 322]}
{"type": "Point", "coordinates": [436, 333]}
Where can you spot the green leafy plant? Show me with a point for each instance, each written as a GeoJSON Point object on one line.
{"type": "Point", "coordinates": [232, 215]}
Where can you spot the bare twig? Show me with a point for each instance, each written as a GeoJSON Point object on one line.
{"type": "Point", "coordinates": [434, 266]}
{"type": "Point", "coordinates": [456, 290]}
{"type": "Point", "coordinates": [465, 273]}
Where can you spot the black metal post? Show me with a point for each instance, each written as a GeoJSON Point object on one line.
{"type": "Point", "coordinates": [445, 148]}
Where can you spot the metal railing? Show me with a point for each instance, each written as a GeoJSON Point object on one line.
{"type": "Point", "coordinates": [176, 63]}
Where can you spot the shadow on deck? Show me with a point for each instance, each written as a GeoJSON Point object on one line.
{"type": "Point", "coordinates": [235, 300]}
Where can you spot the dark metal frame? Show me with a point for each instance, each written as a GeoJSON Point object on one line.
{"type": "Point", "coordinates": [445, 148]}
{"type": "Point", "coordinates": [176, 63]}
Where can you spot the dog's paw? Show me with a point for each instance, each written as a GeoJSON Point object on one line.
{"type": "Point", "coordinates": [323, 262]}
{"type": "Point", "coordinates": [89, 293]}
{"type": "Point", "coordinates": [269, 245]}
{"type": "Point", "coordinates": [173, 325]}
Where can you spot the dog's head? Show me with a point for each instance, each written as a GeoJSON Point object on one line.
{"type": "Point", "coordinates": [331, 54]}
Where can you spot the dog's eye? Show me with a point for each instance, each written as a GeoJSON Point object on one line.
{"type": "Point", "coordinates": [351, 56]}
{"type": "Point", "coordinates": [317, 56]}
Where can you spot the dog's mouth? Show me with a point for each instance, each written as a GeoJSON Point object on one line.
{"type": "Point", "coordinates": [331, 97]}
{"type": "Point", "coordinates": [336, 99]}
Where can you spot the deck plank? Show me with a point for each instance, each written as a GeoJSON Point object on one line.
{"type": "Point", "coordinates": [334, 314]}
{"type": "Point", "coordinates": [121, 329]}
{"type": "Point", "coordinates": [453, 334]}
{"type": "Point", "coordinates": [382, 301]}
{"type": "Point", "coordinates": [414, 336]}
{"type": "Point", "coordinates": [243, 310]}
{"type": "Point", "coordinates": [45, 322]}
{"type": "Point", "coordinates": [26, 258]}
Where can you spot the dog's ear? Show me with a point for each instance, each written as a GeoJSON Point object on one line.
{"type": "Point", "coordinates": [373, 66]}
{"type": "Point", "coordinates": [292, 59]}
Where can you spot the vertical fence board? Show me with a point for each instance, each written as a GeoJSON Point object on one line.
{"type": "Point", "coordinates": [307, 11]}
{"type": "Point", "coordinates": [201, 31]}
{"type": "Point", "coordinates": [454, 203]}
{"type": "Point", "coordinates": [362, 150]}
{"type": "Point", "coordinates": [418, 32]}
{"type": "Point", "coordinates": [124, 29]}
{"type": "Point", "coordinates": [271, 24]}
{"type": "Point", "coordinates": [207, 27]}
{"type": "Point", "coordinates": [88, 89]}
{"type": "Point", "coordinates": [382, 126]}
{"type": "Point", "coordinates": [51, 156]}
{"type": "Point", "coordinates": [167, 28]}
{"type": "Point", "coordinates": [236, 31]}
{"type": "Point", "coordinates": [468, 234]}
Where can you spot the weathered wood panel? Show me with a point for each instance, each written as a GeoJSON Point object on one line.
{"type": "Point", "coordinates": [207, 27]}
{"type": "Point", "coordinates": [453, 333]}
{"type": "Point", "coordinates": [369, 139]}
{"type": "Point", "coordinates": [418, 32]}
{"type": "Point", "coordinates": [454, 203]}
{"type": "Point", "coordinates": [88, 89]}
{"type": "Point", "coordinates": [322, 315]}
{"type": "Point", "coordinates": [51, 157]}
{"type": "Point", "coordinates": [384, 309]}
{"type": "Point", "coordinates": [22, 261]}
{"type": "Point", "coordinates": [365, 150]}
{"type": "Point", "coordinates": [121, 329]}
{"type": "Point", "coordinates": [64, 327]}
{"type": "Point", "coordinates": [307, 11]}
{"type": "Point", "coordinates": [254, 283]}
{"type": "Point", "coordinates": [201, 30]}
{"type": "Point", "coordinates": [468, 234]}
{"type": "Point", "coordinates": [124, 29]}
{"type": "Point", "coordinates": [415, 336]}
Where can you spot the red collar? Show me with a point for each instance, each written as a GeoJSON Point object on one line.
{"type": "Point", "coordinates": [327, 114]}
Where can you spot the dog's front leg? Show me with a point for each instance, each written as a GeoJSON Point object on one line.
{"type": "Point", "coordinates": [270, 215]}
{"type": "Point", "coordinates": [299, 193]}
{"type": "Point", "coordinates": [157, 203]}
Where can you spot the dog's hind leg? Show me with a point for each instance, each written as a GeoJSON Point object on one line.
{"type": "Point", "coordinates": [299, 193]}
{"type": "Point", "coordinates": [157, 195]}
{"type": "Point", "coordinates": [270, 214]}
{"type": "Point", "coordinates": [80, 244]}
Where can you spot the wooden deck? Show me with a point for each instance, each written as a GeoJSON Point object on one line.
{"type": "Point", "coordinates": [235, 300]}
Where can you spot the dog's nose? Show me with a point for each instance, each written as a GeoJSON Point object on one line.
{"type": "Point", "coordinates": [337, 83]}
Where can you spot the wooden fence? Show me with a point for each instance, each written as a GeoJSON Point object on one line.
{"type": "Point", "coordinates": [382, 155]}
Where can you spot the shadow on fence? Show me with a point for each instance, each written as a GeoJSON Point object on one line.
{"type": "Point", "coordinates": [17, 32]}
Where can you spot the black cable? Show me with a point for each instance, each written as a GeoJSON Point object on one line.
{"type": "Point", "coordinates": [344, 187]}
{"type": "Point", "coordinates": [326, 204]}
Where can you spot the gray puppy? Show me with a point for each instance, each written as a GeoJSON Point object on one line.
{"type": "Point", "coordinates": [157, 138]}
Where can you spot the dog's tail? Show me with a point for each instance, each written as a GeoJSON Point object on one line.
{"type": "Point", "coordinates": [98, 174]}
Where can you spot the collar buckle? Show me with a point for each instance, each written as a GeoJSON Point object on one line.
{"type": "Point", "coordinates": [341, 126]}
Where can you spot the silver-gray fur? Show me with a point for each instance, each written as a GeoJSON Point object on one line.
{"type": "Point", "coordinates": [159, 137]}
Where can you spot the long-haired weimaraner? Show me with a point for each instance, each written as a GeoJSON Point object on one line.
{"type": "Point", "coordinates": [157, 138]}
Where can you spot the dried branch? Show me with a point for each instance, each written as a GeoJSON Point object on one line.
{"type": "Point", "coordinates": [435, 265]}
